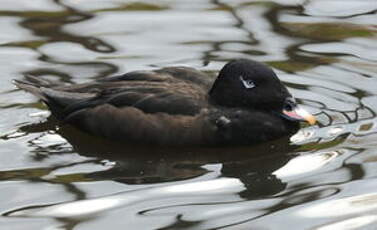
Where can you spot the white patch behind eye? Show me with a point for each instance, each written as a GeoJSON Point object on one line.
{"type": "Point", "coordinates": [247, 83]}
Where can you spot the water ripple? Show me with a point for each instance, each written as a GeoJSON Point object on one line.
{"type": "Point", "coordinates": [53, 176]}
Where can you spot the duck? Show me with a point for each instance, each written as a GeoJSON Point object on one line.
{"type": "Point", "coordinates": [246, 104]}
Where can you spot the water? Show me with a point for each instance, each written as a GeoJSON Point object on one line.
{"type": "Point", "coordinates": [324, 177]}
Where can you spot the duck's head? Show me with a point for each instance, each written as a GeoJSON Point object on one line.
{"type": "Point", "coordinates": [252, 85]}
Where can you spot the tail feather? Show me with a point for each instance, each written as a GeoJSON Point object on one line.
{"type": "Point", "coordinates": [40, 88]}
{"type": "Point", "coordinates": [57, 100]}
{"type": "Point", "coordinates": [31, 88]}
{"type": "Point", "coordinates": [38, 81]}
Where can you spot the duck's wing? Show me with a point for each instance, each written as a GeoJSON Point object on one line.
{"type": "Point", "coordinates": [163, 94]}
{"type": "Point", "coordinates": [158, 97]}
{"type": "Point", "coordinates": [173, 90]}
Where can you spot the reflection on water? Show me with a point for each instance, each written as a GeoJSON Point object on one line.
{"type": "Point", "coordinates": [53, 176]}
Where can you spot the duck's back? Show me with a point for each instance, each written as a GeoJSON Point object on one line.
{"type": "Point", "coordinates": [166, 105]}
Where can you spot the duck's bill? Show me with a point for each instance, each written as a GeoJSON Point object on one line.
{"type": "Point", "coordinates": [299, 114]}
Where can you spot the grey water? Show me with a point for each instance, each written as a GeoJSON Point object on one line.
{"type": "Point", "coordinates": [324, 177]}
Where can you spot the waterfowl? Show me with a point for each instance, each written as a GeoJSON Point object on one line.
{"type": "Point", "coordinates": [246, 104]}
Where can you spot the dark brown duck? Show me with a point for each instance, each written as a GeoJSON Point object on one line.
{"type": "Point", "coordinates": [246, 104]}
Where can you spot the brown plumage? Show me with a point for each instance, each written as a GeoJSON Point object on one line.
{"type": "Point", "coordinates": [172, 106]}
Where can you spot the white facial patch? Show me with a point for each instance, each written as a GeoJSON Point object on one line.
{"type": "Point", "coordinates": [247, 83]}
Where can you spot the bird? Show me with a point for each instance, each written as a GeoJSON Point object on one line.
{"type": "Point", "coordinates": [245, 104]}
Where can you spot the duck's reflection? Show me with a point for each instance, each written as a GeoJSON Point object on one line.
{"type": "Point", "coordinates": [253, 166]}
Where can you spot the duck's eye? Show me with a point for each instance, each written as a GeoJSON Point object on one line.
{"type": "Point", "coordinates": [247, 83]}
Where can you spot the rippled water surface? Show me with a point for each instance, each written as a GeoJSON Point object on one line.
{"type": "Point", "coordinates": [324, 177]}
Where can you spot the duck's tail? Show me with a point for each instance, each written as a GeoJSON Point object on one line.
{"type": "Point", "coordinates": [44, 90]}
{"type": "Point", "coordinates": [52, 94]}
{"type": "Point", "coordinates": [34, 85]}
